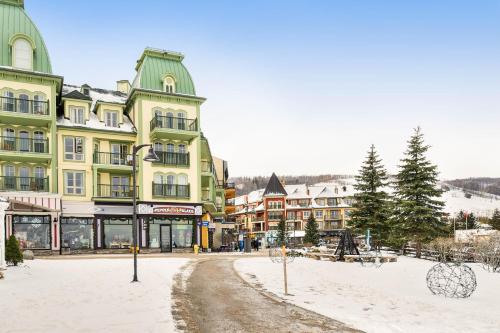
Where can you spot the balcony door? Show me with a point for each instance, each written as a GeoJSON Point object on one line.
{"type": "Point", "coordinates": [38, 143]}
{"type": "Point", "coordinates": [119, 154]}
{"type": "Point", "coordinates": [24, 180]}
{"type": "Point", "coordinates": [120, 187]}
{"type": "Point", "coordinates": [9, 173]}
{"type": "Point", "coordinates": [24, 141]}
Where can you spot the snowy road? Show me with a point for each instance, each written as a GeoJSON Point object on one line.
{"type": "Point", "coordinates": [211, 297]}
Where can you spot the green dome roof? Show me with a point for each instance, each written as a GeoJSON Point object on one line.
{"type": "Point", "coordinates": [154, 65]}
{"type": "Point", "coordinates": [14, 22]}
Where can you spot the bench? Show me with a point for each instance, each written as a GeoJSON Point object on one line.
{"type": "Point", "coordinates": [319, 256]}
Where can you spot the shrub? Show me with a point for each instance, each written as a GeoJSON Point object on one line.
{"type": "Point", "coordinates": [13, 254]}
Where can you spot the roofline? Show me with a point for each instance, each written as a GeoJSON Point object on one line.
{"type": "Point", "coordinates": [81, 128]}
{"type": "Point", "coordinates": [137, 91]}
{"type": "Point", "coordinates": [159, 53]}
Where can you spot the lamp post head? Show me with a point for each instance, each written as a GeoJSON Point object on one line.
{"type": "Point", "coordinates": [151, 156]}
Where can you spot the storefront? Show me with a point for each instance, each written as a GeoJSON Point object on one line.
{"type": "Point", "coordinates": [77, 233]}
{"type": "Point", "coordinates": [168, 227]}
{"type": "Point", "coordinates": [32, 231]}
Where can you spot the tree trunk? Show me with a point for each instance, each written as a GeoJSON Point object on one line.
{"type": "Point", "coordinates": [419, 250]}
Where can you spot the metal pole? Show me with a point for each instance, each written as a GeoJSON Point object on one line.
{"type": "Point", "coordinates": [134, 212]}
{"type": "Point", "coordinates": [283, 252]}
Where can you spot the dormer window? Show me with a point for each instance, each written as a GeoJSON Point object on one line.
{"type": "Point", "coordinates": [111, 118]}
{"type": "Point", "coordinates": [76, 115]}
{"type": "Point", "coordinates": [22, 54]}
{"type": "Point", "coordinates": [169, 84]}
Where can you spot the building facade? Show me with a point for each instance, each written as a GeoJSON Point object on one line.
{"type": "Point", "coordinates": [259, 212]}
{"type": "Point", "coordinates": [66, 152]}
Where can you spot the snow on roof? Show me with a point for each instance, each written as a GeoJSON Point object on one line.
{"type": "Point", "coordinates": [260, 208]}
{"type": "Point", "coordinates": [297, 191]}
{"type": "Point", "coordinates": [255, 196]}
{"type": "Point", "coordinates": [241, 200]}
{"type": "Point", "coordinates": [98, 95]}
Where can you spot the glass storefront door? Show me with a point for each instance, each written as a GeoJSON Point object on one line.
{"type": "Point", "coordinates": [166, 238]}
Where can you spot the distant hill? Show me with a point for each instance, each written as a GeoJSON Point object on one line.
{"type": "Point", "coordinates": [480, 184]}
{"type": "Point", "coordinates": [245, 185]}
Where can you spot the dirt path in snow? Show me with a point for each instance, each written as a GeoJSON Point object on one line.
{"type": "Point", "coordinates": [213, 298]}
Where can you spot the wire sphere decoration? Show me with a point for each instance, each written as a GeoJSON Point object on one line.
{"type": "Point", "coordinates": [276, 255]}
{"type": "Point", "coordinates": [451, 280]}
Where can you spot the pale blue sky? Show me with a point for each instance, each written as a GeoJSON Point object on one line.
{"type": "Point", "coordinates": [306, 86]}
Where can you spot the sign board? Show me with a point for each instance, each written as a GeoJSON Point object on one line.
{"type": "Point", "coordinates": [211, 225]}
{"type": "Point", "coordinates": [169, 210]}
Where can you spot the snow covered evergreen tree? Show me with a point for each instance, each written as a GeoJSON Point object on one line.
{"type": "Point", "coordinates": [312, 233]}
{"type": "Point", "coordinates": [417, 215]}
{"type": "Point", "coordinates": [282, 233]}
{"type": "Point", "coordinates": [372, 203]}
{"type": "Point", "coordinates": [13, 254]}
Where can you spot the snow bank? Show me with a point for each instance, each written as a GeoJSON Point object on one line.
{"type": "Point", "coordinates": [392, 298]}
{"type": "Point", "coordinates": [88, 295]}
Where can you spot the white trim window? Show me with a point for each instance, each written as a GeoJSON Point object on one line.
{"type": "Point", "coordinates": [8, 101]}
{"type": "Point", "coordinates": [111, 118]}
{"type": "Point", "coordinates": [306, 214]}
{"type": "Point", "coordinates": [73, 148]}
{"type": "Point", "coordinates": [76, 115]}
{"type": "Point", "coordinates": [169, 84]}
{"type": "Point", "coordinates": [22, 54]}
{"type": "Point", "coordinates": [318, 214]}
{"type": "Point", "coordinates": [74, 182]}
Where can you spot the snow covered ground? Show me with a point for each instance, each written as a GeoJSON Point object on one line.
{"type": "Point", "coordinates": [392, 298]}
{"type": "Point", "coordinates": [456, 201]}
{"type": "Point", "coordinates": [88, 295]}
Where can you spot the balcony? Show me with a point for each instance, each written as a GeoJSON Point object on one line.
{"type": "Point", "coordinates": [230, 186]}
{"type": "Point", "coordinates": [164, 127]}
{"type": "Point", "coordinates": [171, 191]}
{"type": "Point", "coordinates": [23, 111]}
{"type": "Point", "coordinates": [113, 162]}
{"type": "Point", "coordinates": [115, 191]}
{"type": "Point", "coordinates": [23, 149]}
{"type": "Point", "coordinates": [35, 184]}
{"type": "Point", "coordinates": [175, 159]}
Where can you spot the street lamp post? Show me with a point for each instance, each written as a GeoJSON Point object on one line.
{"type": "Point", "coordinates": [150, 157]}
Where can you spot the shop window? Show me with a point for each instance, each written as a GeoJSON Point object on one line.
{"type": "Point", "coordinates": [76, 115]}
{"type": "Point", "coordinates": [32, 232]}
{"type": "Point", "coordinates": [117, 233]}
{"type": "Point", "coordinates": [77, 233]}
{"type": "Point", "coordinates": [22, 54]}
{"type": "Point", "coordinates": [182, 234]}
{"type": "Point", "coordinates": [73, 148]}
{"type": "Point", "coordinates": [74, 182]}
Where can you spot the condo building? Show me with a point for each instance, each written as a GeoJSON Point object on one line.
{"type": "Point", "coordinates": [259, 212]}
{"type": "Point", "coordinates": [66, 152]}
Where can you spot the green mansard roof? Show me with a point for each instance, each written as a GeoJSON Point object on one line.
{"type": "Point", "coordinates": [154, 65]}
{"type": "Point", "coordinates": [15, 22]}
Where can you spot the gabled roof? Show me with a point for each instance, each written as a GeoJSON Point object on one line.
{"type": "Point", "coordinates": [274, 187]}
{"type": "Point", "coordinates": [75, 94]}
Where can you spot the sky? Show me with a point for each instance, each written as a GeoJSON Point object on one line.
{"type": "Point", "coordinates": [305, 87]}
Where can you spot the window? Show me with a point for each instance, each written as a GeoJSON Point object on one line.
{"type": "Point", "coordinates": [169, 84]}
{"type": "Point", "coordinates": [76, 115]}
{"type": "Point", "coordinates": [318, 214]}
{"type": "Point", "coordinates": [120, 187]}
{"type": "Point", "coordinates": [24, 180]}
{"type": "Point", "coordinates": [37, 104]}
{"type": "Point", "coordinates": [117, 233]}
{"type": "Point", "coordinates": [24, 103]}
{"type": "Point", "coordinates": [181, 121]}
{"type": "Point", "coordinates": [306, 214]}
{"type": "Point", "coordinates": [32, 232]}
{"type": "Point", "coordinates": [182, 181]}
{"type": "Point", "coordinates": [274, 216]}
{"type": "Point", "coordinates": [9, 173]}
{"type": "Point", "coordinates": [170, 120]}
{"type": "Point", "coordinates": [111, 119]}
{"type": "Point", "coordinates": [39, 180]}
{"type": "Point", "coordinates": [22, 54]}
{"type": "Point", "coordinates": [77, 233]}
{"type": "Point", "coordinates": [73, 148]}
{"type": "Point", "coordinates": [24, 141]}
{"type": "Point", "coordinates": [38, 142]}
{"type": "Point", "coordinates": [74, 182]}
{"type": "Point", "coordinates": [182, 149]}
{"type": "Point", "coordinates": [275, 205]}
{"type": "Point", "coordinates": [332, 202]}
{"type": "Point", "coordinates": [8, 101]}
{"type": "Point", "coordinates": [9, 139]}
{"type": "Point", "coordinates": [291, 216]}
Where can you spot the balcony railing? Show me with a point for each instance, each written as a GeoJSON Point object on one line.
{"type": "Point", "coordinates": [206, 167]}
{"type": "Point", "coordinates": [12, 183]}
{"type": "Point", "coordinates": [230, 185]}
{"type": "Point", "coordinates": [115, 191]}
{"type": "Point", "coordinates": [182, 124]}
{"type": "Point", "coordinates": [205, 195]}
{"type": "Point", "coordinates": [171, 190]}
{"type": "Point", "coordinates": [169, 158]}
{"type": "Point", "coordinates": [26, 106]}
{"type": "Point", "coordinates": [112, 158]}
{"type": "Point", "coordinates": [13, 143]}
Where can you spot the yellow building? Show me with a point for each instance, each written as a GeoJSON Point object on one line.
{"type": "Point", "coordinates": [66, 152]}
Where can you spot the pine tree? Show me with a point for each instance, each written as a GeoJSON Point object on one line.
{"type": "Point", "coordinates": [417, 215]}
{"type": "Point", "coordinates": [495, 219]}
{"type": "Point", "coordinates": [282, 234]}
{"type": "Point", "coordinates": [13, 254]}
{"type": "Point", "coordinates": [460, 221]}
{"type": "Point", "coordinates": [372, 203]}
{"type": "Point", "coordinates": [312, 233]}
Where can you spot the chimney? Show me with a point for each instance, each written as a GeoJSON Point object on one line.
{"type": "Point", "coordinates": [123, 86]}
{"type": "Point", "coordinates": [85, 89]}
